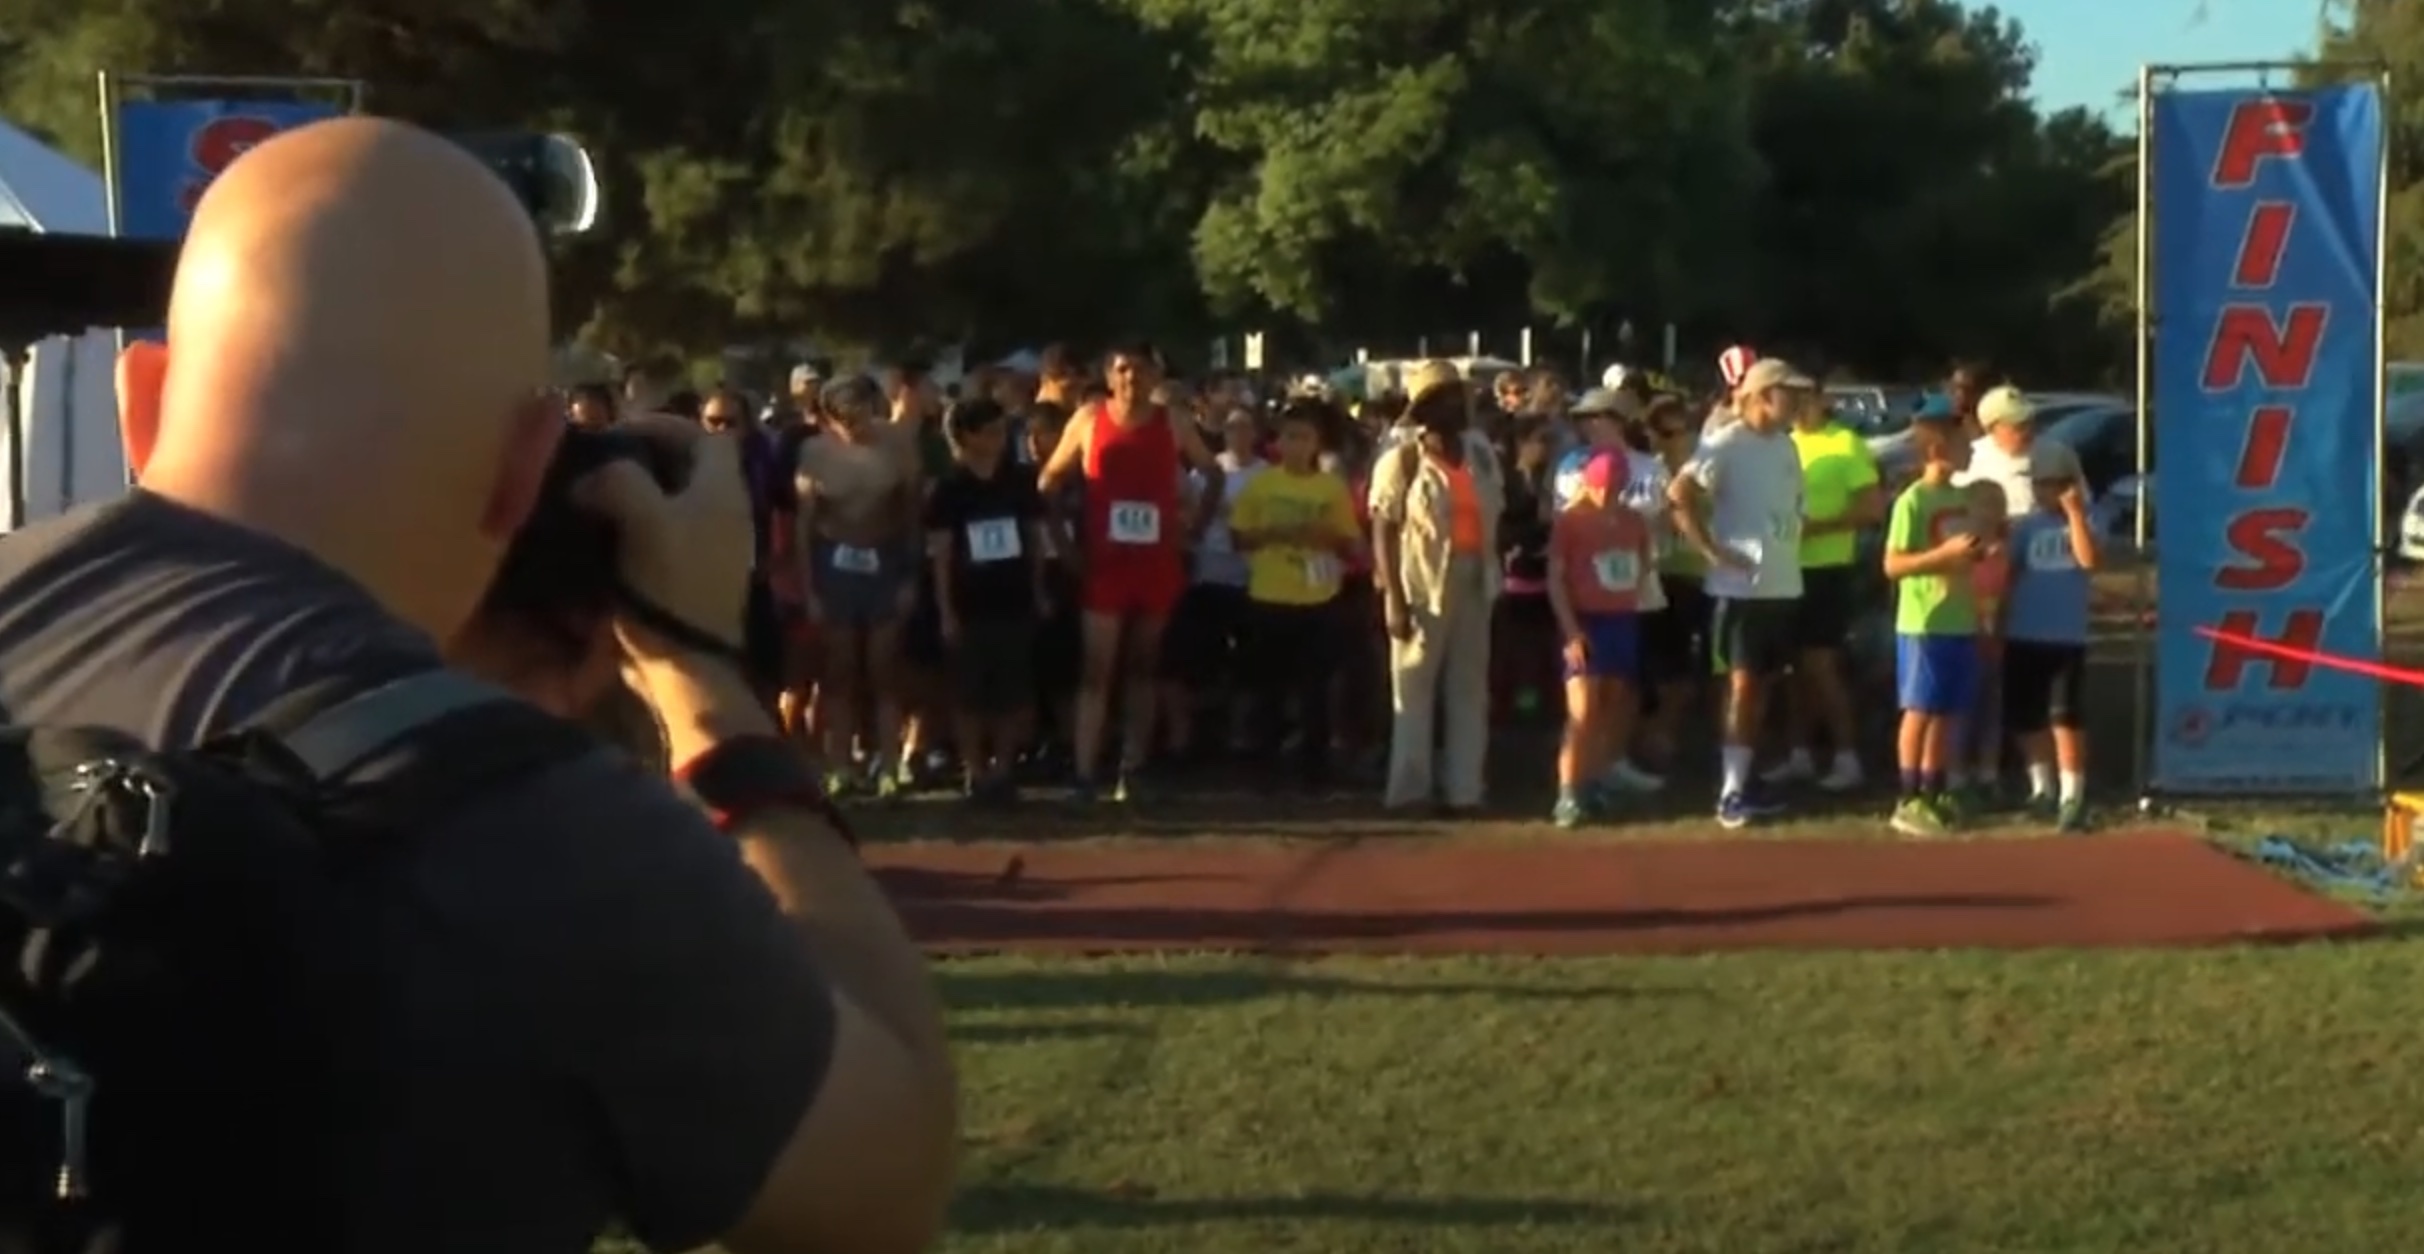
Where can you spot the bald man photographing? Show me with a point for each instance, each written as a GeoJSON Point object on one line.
{"type": "Point", "coordinates": [584, 999]}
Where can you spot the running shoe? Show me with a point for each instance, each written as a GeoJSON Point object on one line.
{"type": "Point", "coordinates": [1918, 816]}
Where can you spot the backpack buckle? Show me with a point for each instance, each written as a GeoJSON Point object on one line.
{"type": "Point", "coordinates": [69, 875]}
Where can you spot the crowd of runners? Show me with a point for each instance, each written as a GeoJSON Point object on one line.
{"type": "Point", "coordinates": [971, 586]}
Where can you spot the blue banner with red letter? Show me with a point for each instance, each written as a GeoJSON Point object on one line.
{"type": "Point", "coordinates": [168, 151]}
{"type": "Point", "coordinates": [2267, 228]}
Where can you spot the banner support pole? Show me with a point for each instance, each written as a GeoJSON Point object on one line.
{"type": "Point", "coordinates": [2142, 680]}
{"type": "Point", "coordinates": [2381, 432]}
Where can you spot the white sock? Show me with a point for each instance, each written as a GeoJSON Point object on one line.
{"type": "Point", "coordinates": [1798, 761]}
{"type": "Point", "coordinates": [2040, 779]}
{"type": "Point", "coordinates": [1846, 762]}
{"type": "Point", "coordinates": [2074, 785]}
{"type": "Point", "coordinates": [1737, 760]}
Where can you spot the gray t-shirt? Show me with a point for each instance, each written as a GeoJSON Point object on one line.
{"type": "Point", "coordinates": [1753, 480]}
{"type": "Point", "coordinates": [601, 1014]}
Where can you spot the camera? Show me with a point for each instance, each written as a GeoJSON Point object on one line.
{"type": "Point", "coordinates": [560, 573]}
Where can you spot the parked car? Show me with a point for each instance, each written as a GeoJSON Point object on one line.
{"type": "Point", "coordinates": [2106, 439]}
{"type": "Point", "coordinates": [1871, 409]}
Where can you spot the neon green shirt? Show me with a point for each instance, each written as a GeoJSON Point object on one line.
{"type": "Point", "coordinates": [1941, 604]}
{"type": "Point", "coordinates": [1836, 466]}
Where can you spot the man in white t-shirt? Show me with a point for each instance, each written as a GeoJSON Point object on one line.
{"type": "Point", "coordinates": [2000, 455]}
{"type": "Point", "coordinates": [1739, 503]}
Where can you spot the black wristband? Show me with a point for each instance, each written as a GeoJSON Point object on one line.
{"type": "Point", "coordinates": [737, 778]}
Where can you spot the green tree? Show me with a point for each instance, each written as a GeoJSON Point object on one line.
{"type": "Point", "coordinates": [1548, 156]}
{"type": "Point", "coordinates": [858, 172]}
{"type": "Point", "coordinates": [2384, 35]}
{"type": "Point", "coordinates": [1916, 207]}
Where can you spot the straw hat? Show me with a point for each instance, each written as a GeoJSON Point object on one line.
{"type": "Point", "coordinates": [1429, 377]}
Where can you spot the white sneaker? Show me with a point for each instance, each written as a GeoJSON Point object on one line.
{"type": "Point", "coordinates": [1626, 777]}
{"type": "Point", "coordinates": [1844, 776]}
{"type": "Point", "coordinates": [1795, 769]}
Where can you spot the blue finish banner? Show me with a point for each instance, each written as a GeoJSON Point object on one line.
{"type": "Point", "coordinates": [168, 151]}
{"type": "Point", "coordinates": [2266, 213]}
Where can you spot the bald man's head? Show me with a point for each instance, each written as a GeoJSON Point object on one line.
{"type": "Point", "coordinates": [356, 347]}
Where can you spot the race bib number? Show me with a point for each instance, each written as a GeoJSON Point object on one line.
{"type": "Point", "coordinates": [1321, 570]}
{"type": "Point", "coordinates": [994, 540]}
{"type": "Point", "coordinates": [1618, 571]}
{"type": "Point", "coordinates": [855, 560]}
{"type": "Point", "coordinates": [2051, 551]}
{"type": "Point", "coordinates": [1135, 522]}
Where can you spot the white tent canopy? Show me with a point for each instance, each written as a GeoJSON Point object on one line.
{"type": "Point", "coordinates": [68, 400]}
{"type": "Point", "coordinates": [44, 190]}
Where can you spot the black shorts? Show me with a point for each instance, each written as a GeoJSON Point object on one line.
{"type": "Point", "coordinates": [1675, 640]}
{"type": "Point", "coordinates": [993, 666]}
{"type": "Point", "coordinates": [922, 633]}
{"type": "Point", "coordinates": [1830, 602]}
{"type": "Point", "coordinates": [2044, 685]}
{"type": "Point", "coordinates": [1200, 644]}
{"type": "Point", "coordinates": [1755, 637]}
{"type": "Point", "coordinates": [1059, 640]}
{"type": "Point", "coordinates": [762, 636]}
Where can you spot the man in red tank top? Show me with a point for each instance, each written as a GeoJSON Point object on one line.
{"type": "Point", "coordinates": [1130, 459]}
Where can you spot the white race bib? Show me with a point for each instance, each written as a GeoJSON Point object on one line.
{"type": "Point", "coordinates": [2051, 551]}
{"type": "Point", "coordinates": [994, 540]}
{"type": "Point", "coordinates": [1321, 570]}
{"type": "Point", "coordinates": [855, 560]}
{"type": "Point", "coordinates": [1618, 570]}
{"type": "Point", "coordinates": [1135, 522]}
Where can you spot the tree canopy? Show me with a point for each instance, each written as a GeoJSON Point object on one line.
{"type": "Point", "coordinates": [1862, 180]}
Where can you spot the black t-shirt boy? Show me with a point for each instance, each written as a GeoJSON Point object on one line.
{"type": "Point", "coordinates": [993, 520]}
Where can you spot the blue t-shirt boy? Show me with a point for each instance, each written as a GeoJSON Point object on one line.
{"type": "Point", "coordinates": [2048, 599]}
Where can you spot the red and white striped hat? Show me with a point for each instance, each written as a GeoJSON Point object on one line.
{"type": "Point", "coordinates": [1734, 363]}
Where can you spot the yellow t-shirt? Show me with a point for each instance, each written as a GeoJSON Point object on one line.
{"type": "Point", "coordinates": [1836, 466]}
{"type": "Point", "coordinates": [1287, 574]}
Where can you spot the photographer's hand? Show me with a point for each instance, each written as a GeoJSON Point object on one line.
{"type": "Point", "coordinates": [688, 554]}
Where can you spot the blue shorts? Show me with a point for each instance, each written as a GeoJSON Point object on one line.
{"type": "Point", "coordinates": [1936, 674]}
{"type": "Point", "coordinates": [1612, 647]}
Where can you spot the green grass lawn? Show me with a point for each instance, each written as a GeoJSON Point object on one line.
{"type": "Point", "coordinates": [2257, 1100]}
{"type": "Point", "coordinates": [2238, 1101]}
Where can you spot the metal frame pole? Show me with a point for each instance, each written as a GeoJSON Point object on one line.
{"type": "Point", "coordinates": [2381, 368]}
{"type": "Point", "coordinates": [2142, 748]}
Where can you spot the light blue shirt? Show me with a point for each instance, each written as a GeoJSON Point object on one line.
{"type": "Point", "coordinates": [2048, 600]}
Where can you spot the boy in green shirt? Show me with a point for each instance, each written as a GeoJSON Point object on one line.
{"type": "Point", "coordinates": [1930, 543]}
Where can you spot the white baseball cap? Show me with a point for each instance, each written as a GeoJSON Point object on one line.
{"type": "Point", "coordinates": [1772, 372]}
{"type": "Point", "coordinates": [2005, 406]}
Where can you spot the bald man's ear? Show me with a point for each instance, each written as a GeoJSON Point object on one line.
{"type": "Point", "coordinates": [537, 428]}
{"type": "Point", "coordinates": [142, 369]}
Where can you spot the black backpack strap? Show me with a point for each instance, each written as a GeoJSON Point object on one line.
{"type": "Point", "coordinates": [339, 739]}
{"type": "Point", "coordinates": [446, 736]}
